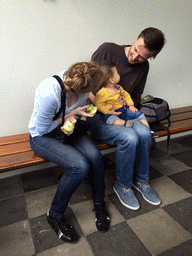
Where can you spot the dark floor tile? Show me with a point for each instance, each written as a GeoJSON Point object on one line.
{"type": "Point", "coordinates": [109, 161]}
{"type": "Point", "coordinates": [10, 187]}
{"type": "Point", "coordinates": [181, 212]}
{"type": "Point", "coordinates": [185, 157]}
{"type": "Point", "coordinates": [44, 236]}
{"type": "Point", "coordinates": [12, 210]}
{"type": "Point", "coordinates": [183, 179]}
{"type": "Point", "coordinates": [83, 193]}
{"type": "Point", "coordinates": [185, 140]}
{"type": "Point", "coordinates": [154, 153]}
{"type": "Point", "coordinates": [38, 179]}
{"type": "Point", "coordinates": [118, 240]}
{"type": "Point", "coordinates": [127, 213]}
{"type": "Point", "coordinates": [184, 249]}
{"type": "Point", "coordinates": [153, 173]}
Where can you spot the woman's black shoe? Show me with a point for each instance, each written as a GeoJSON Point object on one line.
{"type": "Point", "coordinates": [63, 230]}
{"type": "Point", "coordinates": [102, 217]}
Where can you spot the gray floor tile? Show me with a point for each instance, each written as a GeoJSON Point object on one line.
{"type": "Point", "coordinates": [39, 201]}
{"type": "Point", "coordinates": [44, 236]}
{"type": "Point", "coordinates": [12, 210]}
{"type": "Point", "coordinates": [184, 249]}
{"type": "Point", "coordinates": [38, 179]}
{"type": "Point", "coordinates": [168, 165]}
{"type": "Point", "coordinates": [182, 213]}
{"type": "Point", "coordinates": [16, 240]}
{"type": "Point", "coordinates": [10, 187]}
{"type": "Point", "coordinates": [119, 240]}
{"type": "Point", "coordinates": [158, 231]}
{"type": "Point", "coordinates": [81, 248]}
{"type": "Point", "coordinates": [184, 157]}
{"type": "Point", "coordinates": [183, 179]}
{"type": "Point", "coordinates": [168, 191]}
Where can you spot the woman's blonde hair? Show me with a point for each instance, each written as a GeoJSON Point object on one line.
{"type": "Point", "coordinates": [83, 77]}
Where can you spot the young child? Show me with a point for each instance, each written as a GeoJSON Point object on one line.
{"type": "Point", "coordinates": [114, 102]}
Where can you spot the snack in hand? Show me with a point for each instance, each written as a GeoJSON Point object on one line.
{"type": "Point", "coordinates": [92, 109]}
{"type": "Point", "coordinates": [68, 127]}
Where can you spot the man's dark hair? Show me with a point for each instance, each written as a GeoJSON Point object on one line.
{"type": "Point", "coordinates": [154, 40]}
{"type": "Point", "coordinates": [106, 69]}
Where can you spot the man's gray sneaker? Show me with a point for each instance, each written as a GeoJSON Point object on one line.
{"type": "Point", "coordinates": [147, 192]}
{"type": "Point", "coordinates": [126, 197]}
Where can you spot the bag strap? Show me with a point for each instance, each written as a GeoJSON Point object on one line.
{"type": "Point", "coordinates": [169, 134]}
{"type": "Point", "coordinates": [63, 98]}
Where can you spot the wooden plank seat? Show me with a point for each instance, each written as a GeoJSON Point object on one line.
{"type": "Point", "coordinates": [15, 151]}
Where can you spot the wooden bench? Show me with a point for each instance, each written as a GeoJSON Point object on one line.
{"type": "Point", "coordinates": [15, 151]}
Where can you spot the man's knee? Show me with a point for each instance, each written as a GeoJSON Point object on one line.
{"type": "Point", "coordinates": [128, 137]}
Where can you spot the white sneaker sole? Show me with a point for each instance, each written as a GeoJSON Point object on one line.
{"type": "Point", "coordinates": [126, 205]}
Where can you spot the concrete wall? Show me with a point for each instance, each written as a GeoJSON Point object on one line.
{"type": "Point", "coordinates": [39, 38]}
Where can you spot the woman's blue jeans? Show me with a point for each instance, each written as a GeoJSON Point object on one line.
{"type": "Point", "coordinates": [81, 159]}
{"type": "Point", "coordinates": [133, 146]}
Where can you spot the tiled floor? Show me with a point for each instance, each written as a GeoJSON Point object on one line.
{"type": "Point", "coordinates": [164, 230]}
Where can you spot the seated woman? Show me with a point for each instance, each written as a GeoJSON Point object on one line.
{"type": "Point", "coordinates": [80, 156]}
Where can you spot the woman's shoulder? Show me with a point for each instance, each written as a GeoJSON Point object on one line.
{"type": "Point", "coordinates": [50, 85]}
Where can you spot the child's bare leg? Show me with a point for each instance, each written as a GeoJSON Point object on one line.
{"type": "Point", "coordinates": [127, 123]}
{"type": "Point", "coordinates": [144, 121]}
{"type": "Point", "coordinates": [119, 122]}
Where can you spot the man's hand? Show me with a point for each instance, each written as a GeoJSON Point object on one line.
{"type": "Point", "coordinates": [113, 112]}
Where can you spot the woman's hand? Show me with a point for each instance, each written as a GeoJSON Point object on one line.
{"type": "Point", "coordinates": [80, 111]}
{"type": "Point", "coordinates": [73, 120]}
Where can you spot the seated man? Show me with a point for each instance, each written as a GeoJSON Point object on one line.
{"type": "Point", "coordinates": [133, 143]}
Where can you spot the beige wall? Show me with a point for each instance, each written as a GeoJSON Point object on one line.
{"type": "Point", "coordinates": [39, 38]}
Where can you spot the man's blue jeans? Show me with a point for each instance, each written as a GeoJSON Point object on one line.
{"type": "Point", "coordinates": [81, 159]}
{"type": "Point", "coordinates": [133, 146]}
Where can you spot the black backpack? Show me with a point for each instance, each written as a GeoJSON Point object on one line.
{"type": "Point", "coordinates": [156, 110]}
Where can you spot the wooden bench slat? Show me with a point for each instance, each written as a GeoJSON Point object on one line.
{"type": "Point", "coordinates": [19, 160]}
{"type": "Point", "coordinates": [179, 117]}
{"type": "Point", "coordinates": [181, 110]}
{"type": "Point", "coordinates": [15, 148]}
{"type": "Point", "coordinates": [14, 139]}
{"type": "Point", "coordinates": [175, 127]}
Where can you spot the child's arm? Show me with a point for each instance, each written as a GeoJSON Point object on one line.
{"type": "Point", "coordinates": [100, 103]}
{"type": "Point", "coordinates": [129, 101]}
{"type": "Point", "coordinates": [132, 108]}
{"type": "Point", "coordinates": [92, 97]}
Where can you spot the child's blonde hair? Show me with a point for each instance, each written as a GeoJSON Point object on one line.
{"type": "Point", "coordinates": [83, 77]}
